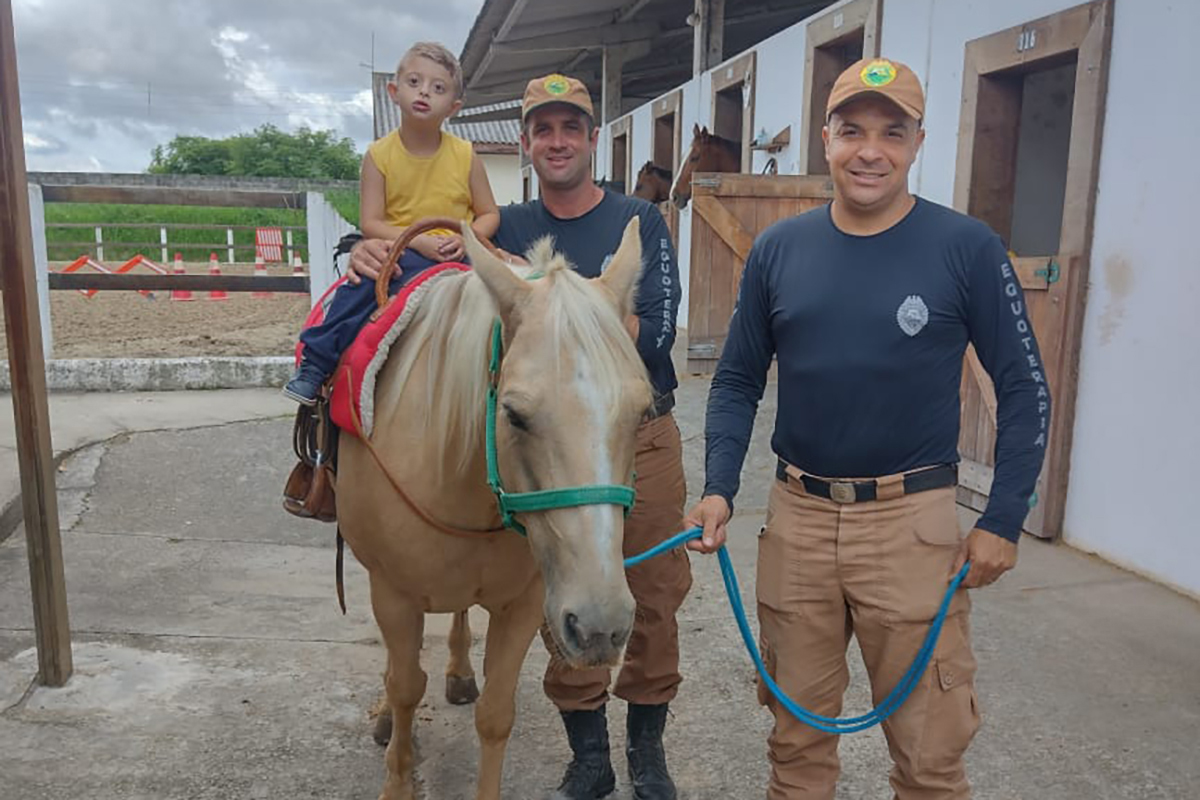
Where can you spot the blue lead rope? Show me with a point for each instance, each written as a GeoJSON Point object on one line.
{"type": "Point", "coordinates": [833, 725]}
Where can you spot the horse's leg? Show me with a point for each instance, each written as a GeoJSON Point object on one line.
{"type": "Point", "coordinates": [401, 622]}
{"type": "Point", "coordinates": [510, 630]}
{"type": "Point", "coordinates": [382, 733]}
{"type": "Point", "coordinates": [461, 688]}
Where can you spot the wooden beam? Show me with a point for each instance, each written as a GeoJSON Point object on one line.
{"type": "Point", "coordinates": [566, 24]}
{"type": "Point", "coordinates": [153, 282]}
{"type": "Point", "coordinates": [632, 10]}
{"type": "Point", "coordinates": [27, 370]}
{"type": "Point", "coordinates": [510, 19]}
{"type": "Point", "coordinates": [586, 37]}
{"type": "Point", "coordinates": [724, 224]}
{"type": "Point", "coordinates": [162, 195]}
{"type": "Point", "coordinates": [516, 86]}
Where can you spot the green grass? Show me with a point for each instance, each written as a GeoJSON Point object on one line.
{"type": "Point", "coordinates": [122, 243]}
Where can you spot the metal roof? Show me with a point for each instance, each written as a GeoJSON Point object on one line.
{"type": "Point", "coordinates": [515, 40]}
{"type": "Point", "coordinates": [480, 125]}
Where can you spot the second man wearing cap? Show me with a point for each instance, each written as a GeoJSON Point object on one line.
{"type": "Point", "coordinates": [869, 304]}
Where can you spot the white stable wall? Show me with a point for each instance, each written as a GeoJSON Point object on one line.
{"type": "Point", "coordinates": [1135, 435]}
{"type": "Point", "coordinates": [1133, 494]}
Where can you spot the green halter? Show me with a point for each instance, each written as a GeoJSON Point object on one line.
{"type": "Point", "coordinates": [517, 502]}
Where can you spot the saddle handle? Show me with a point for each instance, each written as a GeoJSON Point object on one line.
{"type": "Point", "coordinates": [412, 232]}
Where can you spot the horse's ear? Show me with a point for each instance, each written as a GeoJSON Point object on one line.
{"type": "Point", "coordinates": [624, 271]}
{"type": "Point", "coordinates": [506, 287]}
{"type": "Point", "coordinates": [695, 129]}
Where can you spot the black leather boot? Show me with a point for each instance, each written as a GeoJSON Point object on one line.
{"type": "Point", "coordinates": [590, 775]}
{"type": "Point", "coordinates": [644, 751]}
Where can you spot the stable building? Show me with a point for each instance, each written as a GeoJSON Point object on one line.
{"type": "Point", "coordinates": [1042, 119]}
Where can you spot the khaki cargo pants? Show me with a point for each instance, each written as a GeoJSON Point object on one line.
{"type": "Point", "coordinates": [875, 570]}
{"type": "Point", "coordinates": [650, 672]}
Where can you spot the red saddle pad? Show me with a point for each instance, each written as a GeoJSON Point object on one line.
{"type": "Point", "coordinates": [351, 375]}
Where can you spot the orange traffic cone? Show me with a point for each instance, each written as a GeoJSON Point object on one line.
{"type": "Point", "coordinates": [180, 294]}
{"type": "Point", "coordinates": [260, 271]}
{"type": "Point", "coordinates": [214, 268]}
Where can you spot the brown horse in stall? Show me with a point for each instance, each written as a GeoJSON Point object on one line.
{"type": "Point", "coordinates": [570, 392]}
{"type": "Point", "coordinates": [653, 183]}
{"type": "Point", "coordinates": [708, 153]}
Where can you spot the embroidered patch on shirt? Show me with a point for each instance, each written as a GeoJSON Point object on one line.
{"type": "Point", "coordinates": [912, 315]}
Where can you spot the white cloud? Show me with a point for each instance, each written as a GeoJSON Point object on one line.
{"type": "Point", "coordinates": [231, 34]}
{"type": "Point", "coordinates": [103, 83]}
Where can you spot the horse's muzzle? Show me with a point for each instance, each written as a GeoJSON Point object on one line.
{"type": "Point", "coordinates": [593, 637]}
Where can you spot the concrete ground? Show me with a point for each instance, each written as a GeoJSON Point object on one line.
{"type": "Point", "coordinates": [212, 661]}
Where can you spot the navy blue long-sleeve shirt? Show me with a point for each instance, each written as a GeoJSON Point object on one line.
{"type": "Point", "coordinates": [870, 334]}
{"type": "Point", "coordinates": [589, 242]}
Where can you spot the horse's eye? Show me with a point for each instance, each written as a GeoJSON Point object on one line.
{"type": "Point", "coordinates": [516, 419]}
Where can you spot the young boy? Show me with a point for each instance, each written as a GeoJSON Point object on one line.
{"type": "Point", "coordinates": [414, 172]}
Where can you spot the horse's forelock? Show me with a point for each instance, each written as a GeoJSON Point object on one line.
{"type": "Point", "coordinates": [543, 259]}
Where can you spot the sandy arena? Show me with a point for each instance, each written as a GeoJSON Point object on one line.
{"type": "Point", "coordinates": [126, 324]}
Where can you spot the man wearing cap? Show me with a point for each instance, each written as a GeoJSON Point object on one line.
{"type": "Point", "coordinates": [559, 136]}
{"type": "Point", "coordinates": [868, 304]}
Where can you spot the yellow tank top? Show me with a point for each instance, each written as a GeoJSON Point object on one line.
{"type": "Point", "coordinates": [434, 186]}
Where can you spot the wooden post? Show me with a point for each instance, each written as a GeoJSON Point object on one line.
{"type": "Point", "coordinates": [708, 44]}
{"type": "Point", "coordinates": [99, 245]}
{"type": "Point", "coordinates": [612, 63]}
{"type": "Point", "coordinates": [229, 243]}
{"type": "Point", "coordinates": [27, 369]}
{"type": "Point", "coordinates": [162, 237]}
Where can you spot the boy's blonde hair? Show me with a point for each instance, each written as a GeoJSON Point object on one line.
{"type": "Point", "coordinates": [439, 55]}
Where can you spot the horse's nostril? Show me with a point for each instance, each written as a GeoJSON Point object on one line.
{"type": "Point", "coordinates": [571, 629]}
{"type": "Point", "coordinates": [618, 639]}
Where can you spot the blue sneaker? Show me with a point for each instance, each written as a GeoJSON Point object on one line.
{"type": "Point", "coordinates": [305, 385]}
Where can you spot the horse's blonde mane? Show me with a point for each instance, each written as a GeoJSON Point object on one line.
{"type": "Point", "coordinates": [455, 323]}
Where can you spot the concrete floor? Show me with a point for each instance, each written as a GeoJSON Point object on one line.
{"type": "Point", "coordinates": [212, 661]}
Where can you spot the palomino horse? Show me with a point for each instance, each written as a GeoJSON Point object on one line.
{"type": "Point", "coordinates": [708, 153]}
{"type": "Point", "coordinates": [415, 504]}
{"type": "Point", "coordinates": [653, 183]}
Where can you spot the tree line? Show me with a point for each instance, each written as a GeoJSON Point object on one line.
{"type": "Point", "coordinates": [266, 152]}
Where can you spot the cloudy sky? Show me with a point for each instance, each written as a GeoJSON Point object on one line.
{"type": "Point", "coordinates": [104, 81]}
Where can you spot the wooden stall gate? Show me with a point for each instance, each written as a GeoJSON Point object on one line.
{"type": "Point", "coordinates": [728, 211]}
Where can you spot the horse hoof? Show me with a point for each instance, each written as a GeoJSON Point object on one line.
{"type": "Point", "coordinates": [461, 691]}
{"type": "Point", "coordinates": [383, 728]}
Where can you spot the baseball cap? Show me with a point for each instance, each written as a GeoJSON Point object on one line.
{"type": "Point", "coordinates": [556, 88]}
{"type": "Point", "coordinates": [883, 77]}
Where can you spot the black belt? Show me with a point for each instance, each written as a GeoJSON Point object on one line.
{"type": "Point", "coordinates": [662, 405]}
{"type": "Point", "coordinates": [865, 491]}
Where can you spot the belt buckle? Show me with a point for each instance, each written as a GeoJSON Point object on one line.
{"type": "Point", "coordinates": [841, 492]}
